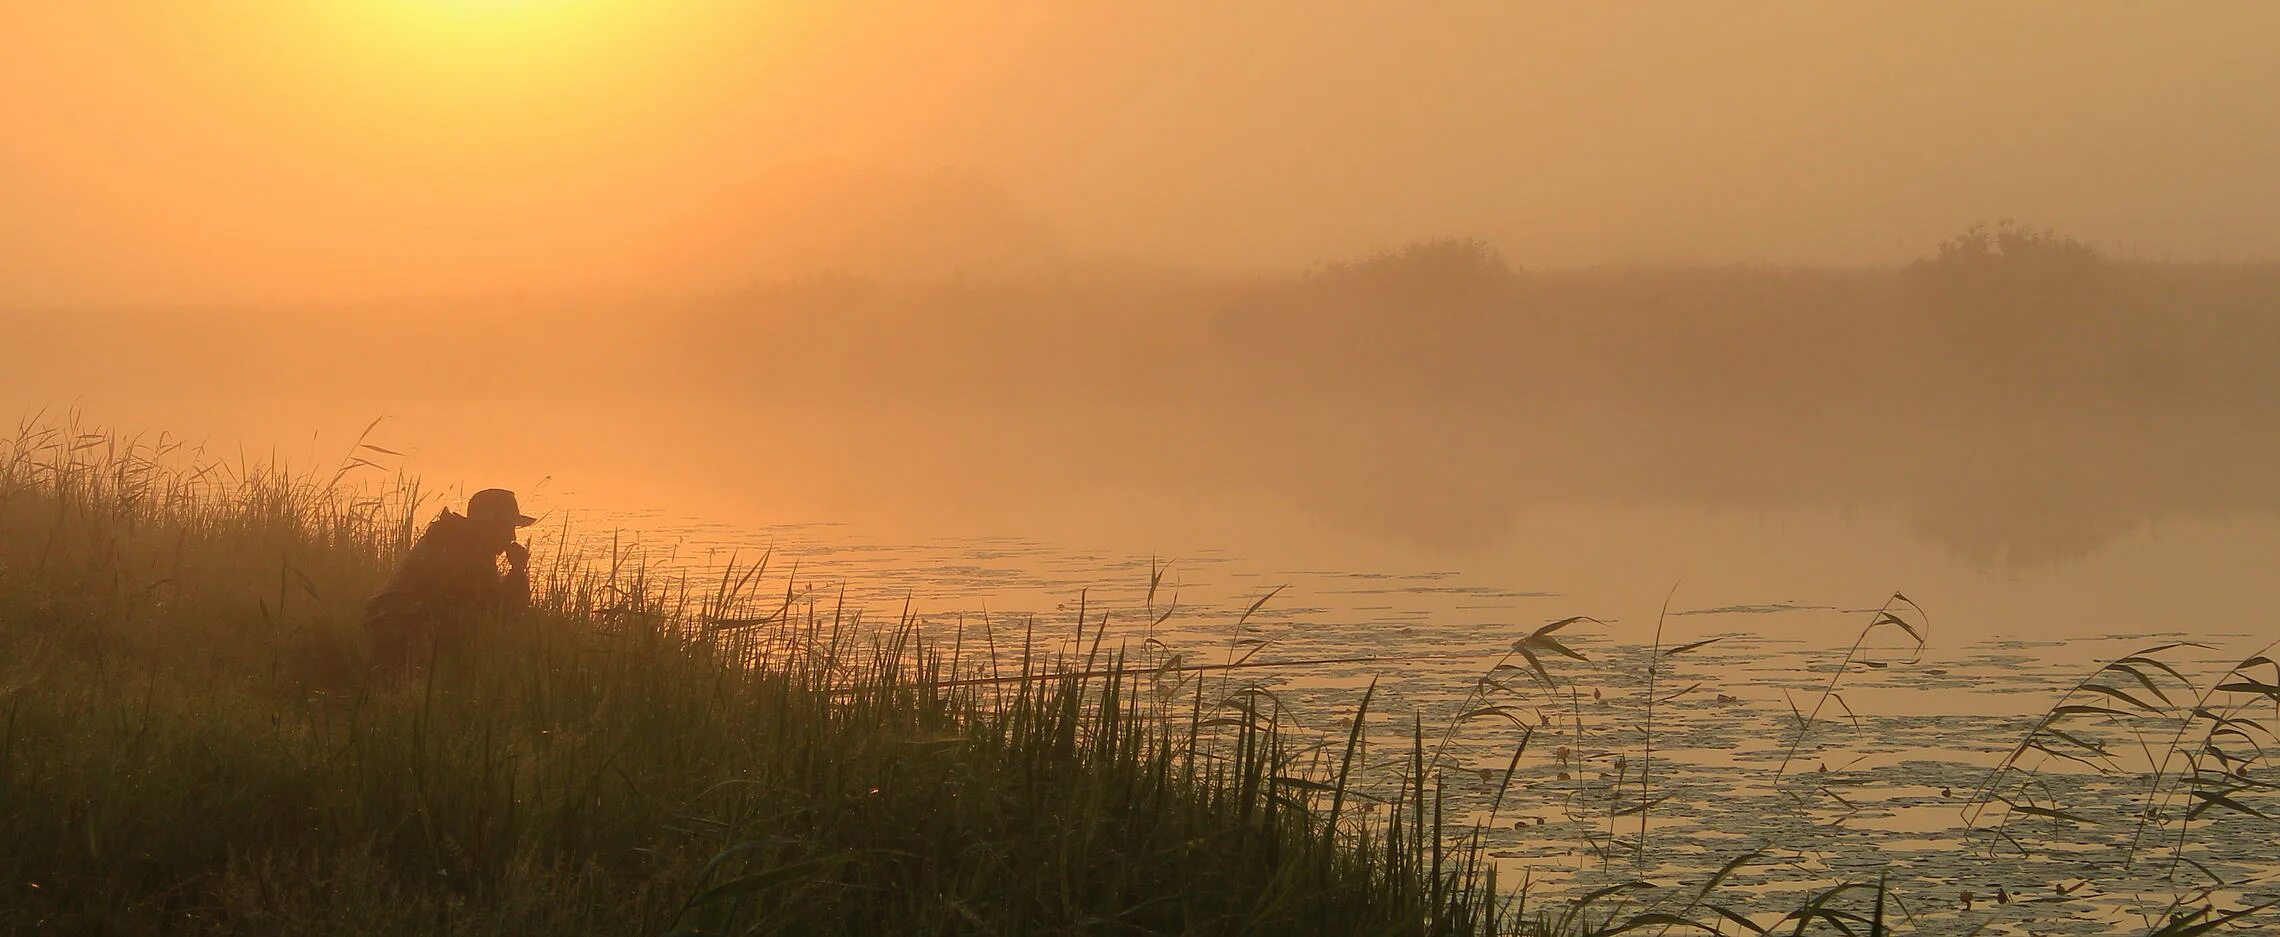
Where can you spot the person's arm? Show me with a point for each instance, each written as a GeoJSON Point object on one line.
{"type": "Point", "coordinates": [514, 588]}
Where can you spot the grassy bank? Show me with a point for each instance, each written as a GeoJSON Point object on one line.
{"type": "Point", "coordinates": [191, 741]}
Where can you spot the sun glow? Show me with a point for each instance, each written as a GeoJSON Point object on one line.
{"type": "Point", "coordinates": [516, 29]}
{"type": "Point", "coordinates": [483, 71]}
{"type": "Point", "coordinates": [493, 10]}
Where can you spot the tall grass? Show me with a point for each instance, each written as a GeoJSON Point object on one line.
{"type": "Point", "coordinates": [1882, 619]}
{"type": "Point", "coordinates": [2196, 747]}
{"type": "Point", "coordinates": [192, 741]}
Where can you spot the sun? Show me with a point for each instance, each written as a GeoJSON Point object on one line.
{"type": "Point", "coordinates": [483, 20]}
{"type": "Point", "coordinates": [482, 8]}
{"type": "Point", "coordinates": [505, 34]}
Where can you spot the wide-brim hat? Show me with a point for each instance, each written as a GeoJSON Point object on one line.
{"type": "Point", "coordinates": [497, 504]}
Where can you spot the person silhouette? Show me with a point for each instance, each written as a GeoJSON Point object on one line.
{"type": "Point", "coordinates": [450, 577]}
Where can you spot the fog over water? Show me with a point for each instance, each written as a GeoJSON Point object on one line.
{"type": "Point", "coordinates": [1448, 320]}
{"type": "Point", "coordinates": [2038, 456]}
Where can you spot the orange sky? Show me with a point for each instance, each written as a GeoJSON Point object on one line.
{"type": "Point", "coordinates": [281, 149]}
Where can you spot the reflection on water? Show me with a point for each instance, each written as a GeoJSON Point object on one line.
{"type": "Point", "coordinates": [1427, 492]}
{"type": "Point", "coordinates": [2012, 427]}
{"type": "Point", "coordinates": [1881, 783]}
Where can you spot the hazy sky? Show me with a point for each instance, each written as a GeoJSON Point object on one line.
{"type": "Point", "coordinates": [284, 149]}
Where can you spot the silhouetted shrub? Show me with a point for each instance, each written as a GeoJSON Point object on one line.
{"type": "Point", "coordinates": [1442, 269]}
{"type": "Point", "coordinates": [2010, 259]}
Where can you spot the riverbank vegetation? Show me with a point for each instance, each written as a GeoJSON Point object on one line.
{"type": "Point", "coordinates": [193, 742]}
{"type": "Point", "coordinates": [2024, 393]}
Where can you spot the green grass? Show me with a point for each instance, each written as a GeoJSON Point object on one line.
{"type": "Point", "coordinates": [191, 741]}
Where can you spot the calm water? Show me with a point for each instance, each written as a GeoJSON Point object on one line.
{"type": "Point", "coordinates": [1881, 781]}
{"type": "Point", "coordinates": [2042, 540]}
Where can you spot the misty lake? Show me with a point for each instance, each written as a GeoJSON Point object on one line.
{"type": "Point", "coordinates": [1423, 514]}
{"type": "Point", "coordinates": [1748, 459]}
{"type": "Point", "coordinates": [1884, 779]}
